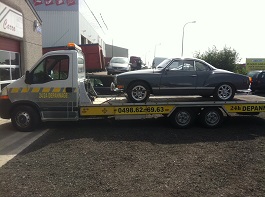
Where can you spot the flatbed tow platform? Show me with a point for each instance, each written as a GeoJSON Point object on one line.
{"type": "Point", "coordinates": [182, 110]}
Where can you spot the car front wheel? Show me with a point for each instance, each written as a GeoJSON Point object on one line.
{"type": "Point", "coordinates": [224, 92]}
{"type": "Point", "coordinates": [138, 92]}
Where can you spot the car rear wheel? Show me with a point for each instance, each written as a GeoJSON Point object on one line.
{"type": "Point", "coordinates": [138, 92]}
{"type": "Point", "coordinates": [224, 92]}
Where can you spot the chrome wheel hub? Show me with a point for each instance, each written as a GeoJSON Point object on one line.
{"type": "Point", "coordinates": [225, 92]}
{"type": "Point", "coordinates": [139, 93]}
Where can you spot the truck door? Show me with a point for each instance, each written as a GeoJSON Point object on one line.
{"type": "Point", "coordinates": [52, 87]}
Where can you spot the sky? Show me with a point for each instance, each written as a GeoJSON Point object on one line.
{"type": "Point", "coordinates": [149, 28]}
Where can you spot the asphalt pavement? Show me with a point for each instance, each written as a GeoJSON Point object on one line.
{"type": "Point", "coordinates": [13, 142]}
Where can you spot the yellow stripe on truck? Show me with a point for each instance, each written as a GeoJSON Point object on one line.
{"type": "Point", "coordinates": [35, 90]}
{"type": "Point", "coordinates": [25, 90]}
{"type": "Point", "coordinates": [46, 89]}
{"type": "Point", "coordinates": [14, 90]}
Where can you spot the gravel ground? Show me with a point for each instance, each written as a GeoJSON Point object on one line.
{"type": "Point", "coordinates": [141, 158]}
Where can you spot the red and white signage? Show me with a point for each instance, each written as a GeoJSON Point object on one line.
{"type": "Point", "coordinates": [11, 21]}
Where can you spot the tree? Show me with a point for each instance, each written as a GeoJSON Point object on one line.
{"type": "Point", "coordinates": [226, 58]}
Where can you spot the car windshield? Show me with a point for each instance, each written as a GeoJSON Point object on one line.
{"type": "Point", "coordinates": [119, 60]}
{"type": "Point", "coordinates": [163, 64]}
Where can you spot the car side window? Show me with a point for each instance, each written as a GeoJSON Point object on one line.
{"type": "Point", "coordinates": [262, 75]}
{"type": "Point", "coordinates": [176, 65]}
{"type": "Point", "coordinates": [188, 65]}
{"type": "Point", "coordinates": [201, 66]}
{"type": "Point", "coordinates": [50, 69]}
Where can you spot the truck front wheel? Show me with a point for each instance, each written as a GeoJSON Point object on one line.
{"type": "Point", "coordinates": [25, 118]}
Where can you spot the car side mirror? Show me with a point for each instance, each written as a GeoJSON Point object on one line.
{"type": "Point", "coordinates": [28, 78]}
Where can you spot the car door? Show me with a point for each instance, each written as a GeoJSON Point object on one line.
{"type": "Point", "coordinates": [203, 72]}
{"type": "Point", "coordinates": [178, 78]}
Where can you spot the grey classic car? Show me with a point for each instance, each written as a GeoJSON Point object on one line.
{"type": "Point", "coordinates": [181, 76]}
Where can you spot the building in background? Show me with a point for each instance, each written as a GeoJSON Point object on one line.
{"type": "Point", "coordinates": [66, 21]}
{"type": "Point", "coordinates": [114, 51]}
{"type": "Point", "coordinates": [20, 39]}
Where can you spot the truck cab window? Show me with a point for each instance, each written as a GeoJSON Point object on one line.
{"type": "Point", "coordinates": [50, 69]}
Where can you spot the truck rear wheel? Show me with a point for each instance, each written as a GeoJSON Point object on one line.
{"type": "Point", "coordinates": [182, 117]}
{"type": "Point", "coordinates": [25, 118]}
{"type": "Point", "coordinates": [211, 117]}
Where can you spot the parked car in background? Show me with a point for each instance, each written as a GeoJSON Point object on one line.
{"type": "Point", "coordinates": [157, 61]}
{"type": "Point", "coordinates": [257, 80]}
{"type": "Point", "coordinates": [118, 65]}
{"type": "Point", "coordinates": [136, 63]}
{"type": "Point", "coordinates": [188, 76]}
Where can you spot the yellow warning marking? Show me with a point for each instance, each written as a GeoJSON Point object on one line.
{"type": "Point", "coordinates": [95, 111]}
{"type": "Point", "coordinates": [126, 110]}
{"type": "Point", "coordinates": [235, 108]}
{"type": "Point", "coordinates": [25, 90]}
{"type": "Point", "coordinates": [35, 90]}
{"type": "Point", "coordinates": [56, 89]}
{"type": "Point", "coordinates": [14, 90]}
{"type": "Point", "coordinates": [46, 89]}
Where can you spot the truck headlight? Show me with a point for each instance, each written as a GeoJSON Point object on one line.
{"type": "Point", "coordinates": [4, 91]}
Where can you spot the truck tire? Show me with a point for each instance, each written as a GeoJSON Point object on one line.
{"type": "Point", "coordinates": [138, 92]}
{"type": "Point", "coordinates": [25, 118]}
{"type": "Point", "coordinates": [182, 118]}
{"type": "Point", "coordinates": [211, 117]}
{"type": "Point", "coordinates": [224, 92]}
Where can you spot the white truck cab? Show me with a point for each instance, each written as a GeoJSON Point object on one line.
{"type": "Point", "coordinates": [49, 91]}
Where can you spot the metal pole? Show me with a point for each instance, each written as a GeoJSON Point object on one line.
{"type": "Point", "coordinates": [155, 49]}
{"type": "Point", "coordinates": [183, 36]}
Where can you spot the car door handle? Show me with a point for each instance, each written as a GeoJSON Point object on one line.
{"type": "Point", "coordinates": [69, 89]}
{"type": "Point", "coordinates": [193, 75]}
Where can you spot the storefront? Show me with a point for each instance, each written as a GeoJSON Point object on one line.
{"type": "Point", "coordinates": [20, 39]}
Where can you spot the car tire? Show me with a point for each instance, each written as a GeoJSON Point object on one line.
{"type": "Point", "coordinates": [224, 92]}
{"type": "Point", "coordinates": [182, 118]}
{"type": "Point", "coordinates": [25, 118]}
{"type": "Point", "coordinates": [138, 92]}
{"type": "Point", "coordinates": [211, 117]}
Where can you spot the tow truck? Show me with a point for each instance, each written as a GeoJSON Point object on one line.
{"type": "Point", "coordinates": [56, 89]}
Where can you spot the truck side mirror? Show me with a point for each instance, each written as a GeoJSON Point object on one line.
{"type": "Point", "coordinates": [28, 78]}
